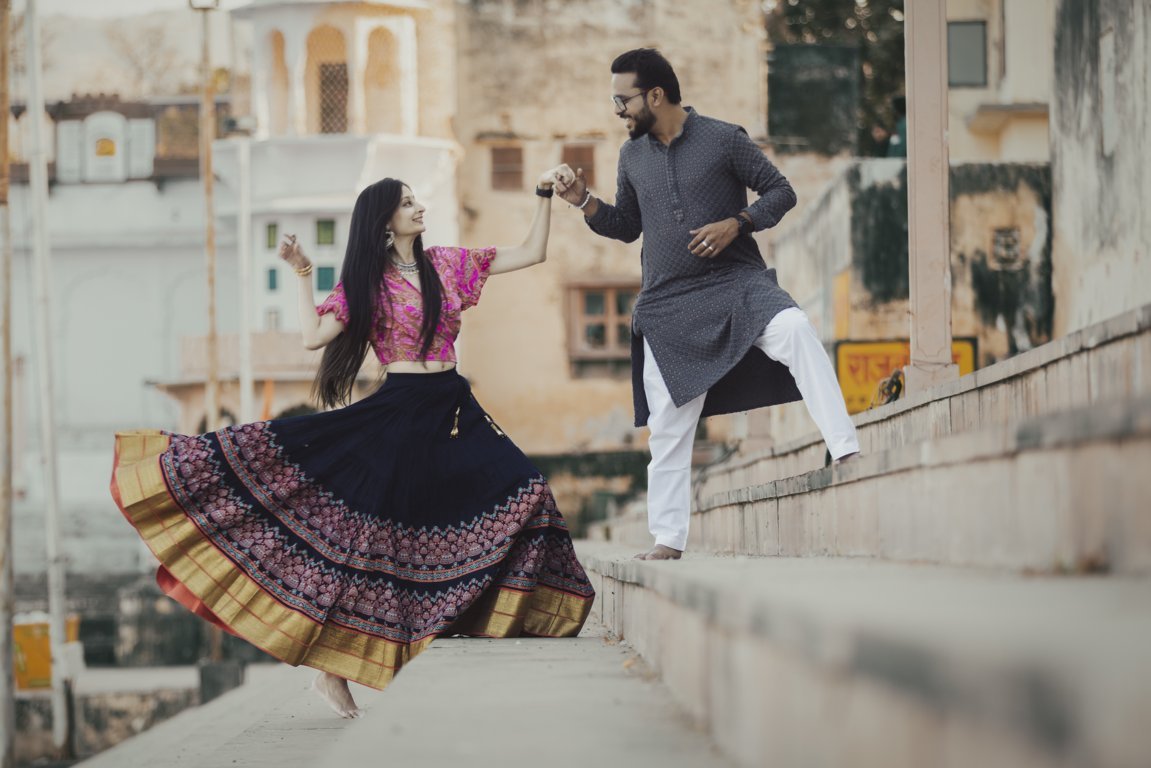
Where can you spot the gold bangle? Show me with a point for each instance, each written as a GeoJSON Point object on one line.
{"type": "Point", "coordinates": [304, 271]}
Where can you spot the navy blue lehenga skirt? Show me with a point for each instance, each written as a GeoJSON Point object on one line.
{"type": "Point", "coordinates": [348, 540]}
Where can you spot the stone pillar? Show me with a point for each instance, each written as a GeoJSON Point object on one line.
{"type": "Point", "coordinates": [357, 42]}
{"type": "Point", "coordinates": [929, 247]}
{"type": "Point", "coordinates": [405, 33]}
{"type": "Point", "coordinates": [296, 61]}
{"type": "Point", "coordinates": [263, 62]}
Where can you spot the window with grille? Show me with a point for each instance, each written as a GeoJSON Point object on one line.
{"type": "Point", "coordinates": [325, 278]}
{"type": "Point", "coordinates": [325, 232]}
{"type": "Point", "coordinates": [334, 98]}
{"type": "Point", "coordinates": [581, 156]}
{"type": "Point", "coordinates": [507, 168]}
{"type": "Point", "coordinates": [273, 236]}
{"type": "Point", "coordinates": [600, 326]}
{"type": "Point", "coordinates": [967, 54]}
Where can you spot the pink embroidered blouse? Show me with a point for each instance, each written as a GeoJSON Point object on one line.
{"type": "Point", "coordinates": [396, 336]}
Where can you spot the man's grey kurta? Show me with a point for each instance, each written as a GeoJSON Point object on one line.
{"type": "Point", "coordinates": [701, 316]}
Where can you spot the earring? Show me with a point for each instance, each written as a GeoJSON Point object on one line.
{"type": "Point", "coordinates": [390, 240]}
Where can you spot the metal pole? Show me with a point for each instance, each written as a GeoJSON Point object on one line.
{"type": "Point", "coordinates": [7, 692]}
{"type": "Point", "coordinates": [38, 173]}
{"type": "Point", "coordinates": [928, 212]}
{"type": "Point", "coordinates": [244, 252]}
{"type": "Point", "coordinates": [207, 135]}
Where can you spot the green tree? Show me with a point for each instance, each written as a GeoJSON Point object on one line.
{"type": "Point", "coordinates": [875, 26]}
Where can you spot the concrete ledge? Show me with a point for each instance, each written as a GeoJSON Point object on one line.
{"type": "Point", "coordinates": [192, 737]}
{"type": "Point", "coordinates": [849, 662]}
{"type": "Point", "coordinates": [474, 702]}
{"type": "Point", "coordinates": [1109, 360]}
{"type": "Point", "coordinates": [1052, 494]}
{"type": "Point", "coordinates": [1110, 422]}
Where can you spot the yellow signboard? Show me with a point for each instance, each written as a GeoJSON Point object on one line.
{"type": "Point", "coordinates": [31, 653]}
{"type": "Point", "coordinates": [861, 365]}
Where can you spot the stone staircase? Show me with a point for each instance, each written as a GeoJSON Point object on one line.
{"type": "Point", "coordinates": [976, 590]}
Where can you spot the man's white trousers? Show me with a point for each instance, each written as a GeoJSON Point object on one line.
{"type": "Point", "coordinates": [788, 338]}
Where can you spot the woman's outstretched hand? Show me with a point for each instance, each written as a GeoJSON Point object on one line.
{"type": "Point", "coordinates": [291, 252]}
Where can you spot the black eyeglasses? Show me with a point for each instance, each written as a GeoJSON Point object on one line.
{"type": "Point", "coordinates": [621, 101]}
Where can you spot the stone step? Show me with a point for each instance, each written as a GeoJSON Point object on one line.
{"type": "Point", "coordinates": [529, 702]}
{"type": "Point", "coordinates": [1066, 492]}
{"type": "Point", "coordinates": [833, 661]}
{"type": "Point", "coordinates": [1108, 361]}
{"type": "Point", "coordinates": [567, 703]}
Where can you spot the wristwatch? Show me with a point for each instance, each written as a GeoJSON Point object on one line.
{"type": "Point", "coordinates": [746, 226]}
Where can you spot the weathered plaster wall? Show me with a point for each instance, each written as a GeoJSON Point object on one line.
{"type": "Point", "coordinates": [1101, 130]}
{"type": "Point", "coordinates": [845, 260]}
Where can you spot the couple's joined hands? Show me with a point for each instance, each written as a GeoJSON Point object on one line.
{"type": "Point", "coordinates": [551, 179]}
{"type": "Point", "coordinates": [571, 185]}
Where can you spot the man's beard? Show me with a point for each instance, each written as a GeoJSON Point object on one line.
{"type": "Point", "coordinates": [642, 123]}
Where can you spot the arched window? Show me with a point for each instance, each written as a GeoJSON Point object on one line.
{"type": "Point", "coordinates": [326, 83]}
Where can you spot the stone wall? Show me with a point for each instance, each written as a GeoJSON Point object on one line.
{"type": "Point", "coordinates": [592, 485]}
{"type": "Point", "coordinates": [855, 235]}
{"type": "Point", "coordinates": [1100, 132]}
{"type": "Point", "coordinates": [102, 721]}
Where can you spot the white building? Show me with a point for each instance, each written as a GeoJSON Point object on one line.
{"type": "Point", "coordinates": [125, 226]}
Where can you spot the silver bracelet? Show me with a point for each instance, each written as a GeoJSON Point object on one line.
{"type": "Point", "coordinates": [586, 200]}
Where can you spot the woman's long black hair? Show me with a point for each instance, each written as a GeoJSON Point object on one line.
{"type": "Point", "coordinates": [362, 276]}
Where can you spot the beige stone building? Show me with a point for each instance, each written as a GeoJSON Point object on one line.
{"type": "Point", "coordinates": [548, 348]}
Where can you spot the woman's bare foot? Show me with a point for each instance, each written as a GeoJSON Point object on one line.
{"type": "Point", "coordinates": [660, 552]}
{"type": "Point", "coordinates": [334, 690]}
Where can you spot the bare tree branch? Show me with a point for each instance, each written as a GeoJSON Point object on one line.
{"type": "Point", "coordinates": [148, 55]}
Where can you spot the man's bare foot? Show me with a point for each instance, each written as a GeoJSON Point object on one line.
{"type": "Point", "coordinates": [334, 690]}
{"type": "Point", "coordinates": [660, 552]}
{"type": "Point", "coordinates": [847, 457]}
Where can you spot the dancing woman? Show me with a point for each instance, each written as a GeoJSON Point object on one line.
{"type": "Point", "coordinates": [349, 539]}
